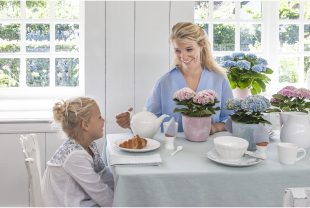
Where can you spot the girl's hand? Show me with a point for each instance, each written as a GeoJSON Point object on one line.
{"type": "Point", "coordinates": [123, 119]}
{"type": "Point", "coordinates": [215, 127]}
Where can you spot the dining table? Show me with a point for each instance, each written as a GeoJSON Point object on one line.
{"type": "Point", "coordinates": [191, 179]}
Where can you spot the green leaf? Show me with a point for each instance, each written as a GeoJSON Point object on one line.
{"type": "Point", "coordinates": [273, 110]}
{"type": "Point", "coordinates": [307, 105]}
{"type": "Point", "coordinates": [253, 91]}
{"type": "Point", "coordinates": [305, 111]}
{"type": "Point", "coordinates": [186, 110]}
{"type": "Point", "coordinates": [244, 84]}
{"type": "Point", "coordinates": [207, 112]}
{"type": "Point", "coordinates": [286, 108]}
{"type": "Point", "coordinates": [281, 97]}
{"type": "Point", "coordinates": [256, 87]}
{"type": "Point", "coordinates": [268, 71]}
{"type": "Point", "coordinates": [261, 84]}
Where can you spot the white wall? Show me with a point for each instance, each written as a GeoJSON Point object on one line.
{"type": "Point", "coordinates": [127, 50]}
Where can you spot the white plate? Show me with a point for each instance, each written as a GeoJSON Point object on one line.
{"type": "Point", "coordinates": [245, 161]}
{"type": "Point", "coordinates": [151, 145]}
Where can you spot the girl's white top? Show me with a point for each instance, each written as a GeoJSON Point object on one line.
{"type": "Point", "coordinates": [74, 179]}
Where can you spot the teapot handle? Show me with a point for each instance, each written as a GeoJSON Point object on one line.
{"type": "Point", "coordinates": [130, 113]}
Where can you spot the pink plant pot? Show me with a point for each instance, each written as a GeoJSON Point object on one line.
{"type": "Point", "coordinates": [196, 129]}
{"type": "Point", "coordinates": [238, 93]}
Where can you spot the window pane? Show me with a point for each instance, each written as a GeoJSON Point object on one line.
{"type": "Point", "coordinates": [9, 9]}
{"type": "Point", "coordinates": [251, 10]}
{"type": "Point", "coordinates": [201, 10]}
{"type": "Point", "coordinates": [224, 37]}
{"type": "Point", "coordinates": [250, 37]}
{"type": "Point", "coordinates": [67, 72]}
{"type": "Point", "coordinates": [288, 69]}
{"type": "Point", "coordinates": [217, 59]}
{"type": "Point", "coordinates": [289, 9]}
{"type": "Point", "coordinates": [37, 38]}
{"type": "Point", "coordinates": [67, 9]}
{"type": "Point", "coordinates": [224, 10]}
{"type": "Point", "coordinates": [38, 72]}
{"type": "Point", "coordinates": [306, 67]}
{"type": "Point", "coordinates": [307, 10]}
{"type": "Point", "coordinates": [38, 9]}
{"type": "Point", "coordinates": [204, 26]}
{"type": "Point", "coordinates": [9, 72]}
{"type": "Point", "coordinates": [9, 38]}
{"type": "Point", "coordinates": [67, 38]}
{"type": "Point", "coordinates": [289, 37]}
{"type": "Point", "coordinates": [307, 38]}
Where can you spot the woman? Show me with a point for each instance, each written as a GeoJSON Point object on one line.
{"type": "Point", "coordinates": [194, 67]}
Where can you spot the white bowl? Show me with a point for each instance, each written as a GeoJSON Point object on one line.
{"type": "Point", "coordinates": [230, 148]}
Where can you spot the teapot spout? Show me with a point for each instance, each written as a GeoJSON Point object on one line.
{"type": "Point", "coordinates": [159, 121]}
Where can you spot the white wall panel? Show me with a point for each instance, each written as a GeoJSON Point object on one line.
{"type": "Point", "coordinates": [180, 11]}
{"type": "Point", "coordinates": [95, 52]}
{"type": "Point", "coordinates": [151, 47]}
{"type": "Point", "coordinates": [120, 61]}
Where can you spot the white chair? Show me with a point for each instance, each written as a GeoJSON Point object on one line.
{"type": "Point", "coordinates": [296, 197]}
{"type": "Point", "coordinates": [31, 153]}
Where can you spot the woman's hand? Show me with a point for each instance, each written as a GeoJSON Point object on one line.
{"type": "Point", "coordinates": [123, 119]}
{"type": "Point", "coordinates": [215, 127]}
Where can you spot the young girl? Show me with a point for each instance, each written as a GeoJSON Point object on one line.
{"type": "Point", "coordinates": [76, 175]}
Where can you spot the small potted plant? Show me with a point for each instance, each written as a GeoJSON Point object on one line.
{"type": "Point", "coordinates": [197, 111]}
{"type": "Point", "coordinates": [290, 99]}
{"type": "Point", "coordinates": [246, 72]}
{"type": "Point", "coordinates": [248, 115]}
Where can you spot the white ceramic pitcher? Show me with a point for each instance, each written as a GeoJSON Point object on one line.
{"type": "Point", "coordinates": [295, 129]}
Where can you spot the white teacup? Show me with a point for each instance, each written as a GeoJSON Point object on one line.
{"type": "Point", "coordinates": [288, 153]}
{"type": "Point", "coordinates": [176, 127]}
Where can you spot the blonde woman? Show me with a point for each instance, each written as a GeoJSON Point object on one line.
{"type": "Point", "coordinates": [76, 175]}
{"type": "Point", "coordinates": [193, 67]}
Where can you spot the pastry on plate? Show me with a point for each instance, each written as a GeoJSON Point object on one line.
{"type": "Point", "coordinates": [134, 143]}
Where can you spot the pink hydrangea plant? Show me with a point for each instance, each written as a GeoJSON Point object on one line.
{"type": "Point", "coordinates": [184, 94]}
{"type": "Point", "coordinates": [287, 93]}
{"type": "Point", "coordinates": [302, 93]}
{"type": "Point", "coordinates": [205, 97]}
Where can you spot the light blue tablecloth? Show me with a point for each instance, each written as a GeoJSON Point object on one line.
{"type": "Point", "coordinates": [190, 179]}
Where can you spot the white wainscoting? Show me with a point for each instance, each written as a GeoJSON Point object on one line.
{"type": "Point", "coordinates": [132, 52]}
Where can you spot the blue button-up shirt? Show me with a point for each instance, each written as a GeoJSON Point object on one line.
{"type": "Point", "coordinates": [161, 101]}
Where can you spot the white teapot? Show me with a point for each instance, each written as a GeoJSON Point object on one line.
{"type": "Point", "coordinates": [145, 124]}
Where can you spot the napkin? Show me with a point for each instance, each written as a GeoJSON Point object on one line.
{"type": "Point", "coordinates": [146, 160]}
{"type": "Point", "coordinates": [260, 134]}
{"type": "Point", "coordinates": [170, 129]}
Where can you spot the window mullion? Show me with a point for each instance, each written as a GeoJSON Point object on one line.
{"type": "Point", "coordinates": [22, 75]}
{"type": "Point", "coordinates": [52, 45]}
{"type": "Point", "coordinates": [237, 26]}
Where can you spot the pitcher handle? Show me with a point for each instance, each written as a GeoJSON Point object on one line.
{"type": "Point", "coordinates": [301, 150]}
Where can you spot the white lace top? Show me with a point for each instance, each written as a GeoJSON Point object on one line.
{"type": "Point", "coordinates": [74, 179]}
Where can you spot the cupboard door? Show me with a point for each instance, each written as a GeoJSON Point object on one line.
{"type": "Point", "coordinates": [13, 173]}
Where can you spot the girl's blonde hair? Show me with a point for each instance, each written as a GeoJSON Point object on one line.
{"type": "Point", "coordinates": [195, 33]}
{"type": "Point", "coordinates": [70, 114]}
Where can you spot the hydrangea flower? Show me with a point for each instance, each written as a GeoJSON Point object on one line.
{"type": "Point", "coordinates": [243, 64]}
{"type": "Point", "coordinates": [255, 103]}
{"type": "Point", "coordinates": [238, 55]}
{"type": "Point", "coordinates": [228, 64]}
{"type": "Point", "coordinates": [290, 88]}
{"type": "Point", "coordinates": [184, 94]}
{"type": "Point", "coordinates": [261, 61]}
{"type": "Point", "coordinates": [234, 104]}
{"type": "Point", "coordinates": [205, 97]}
{"type": "Point", "coordinates": [302, 93]}
{"type": "Point", "coordinates": [258, 68]}
{"type": "Point", "coordinates": [251, 56]}
{"type": "Point", "coordinates": [226, 58]}
{"type": "Point", "coordinates": [287, 93]}
{"type": "Point", "coordinates": [275, 100]}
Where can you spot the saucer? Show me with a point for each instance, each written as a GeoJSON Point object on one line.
{"type": "Point", "coordinates": [151, 145]}
{"type": "Point", "coordinates": [244, 161]}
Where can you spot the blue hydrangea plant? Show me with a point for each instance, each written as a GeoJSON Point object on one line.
{"type": "Point", "coordinates": [249, 110]}
{"type": "Point", "coordinates": [247, 71]}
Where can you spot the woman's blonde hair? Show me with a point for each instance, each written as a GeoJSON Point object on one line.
{"type": "Point", "coordinates": [70, 114]}
{"type": "Point", "coordinates": [195, 33]}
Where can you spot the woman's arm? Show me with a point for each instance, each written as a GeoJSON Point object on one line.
{"type": "Point", "coordinates": [215, 127]}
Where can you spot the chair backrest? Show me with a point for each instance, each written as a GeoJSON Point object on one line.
{"type": "Point", "coordinates": [296, 197]}
{"type": "Point", "coordinates": [30, 146]}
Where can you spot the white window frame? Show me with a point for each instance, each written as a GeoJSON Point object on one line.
{"type": "Point", "coordinates": [43, 94]}
{"type": "Point", "coordinates": [270, 39]}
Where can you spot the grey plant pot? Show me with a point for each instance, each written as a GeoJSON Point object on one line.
{"type": "Point", "coordinates": [245, 131]}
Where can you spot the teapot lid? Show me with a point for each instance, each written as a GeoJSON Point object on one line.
{"type": "Point", "coordinates": [145, 112]}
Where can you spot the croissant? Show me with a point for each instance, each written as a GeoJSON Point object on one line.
{"type": "Point", "coordinates": [134, 143]}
